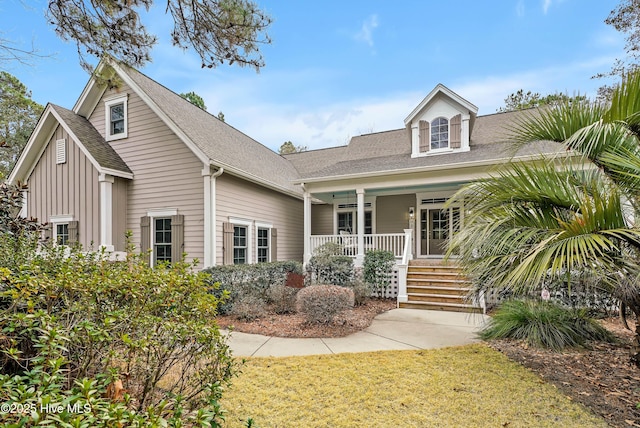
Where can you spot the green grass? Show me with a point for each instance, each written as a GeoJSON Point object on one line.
{"type": "Point", "coordinates": [471, 386]}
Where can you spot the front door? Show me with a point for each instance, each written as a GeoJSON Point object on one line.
{"type": "Point", "coordinates": [437, 225]}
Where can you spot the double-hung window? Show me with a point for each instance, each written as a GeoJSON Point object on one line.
{"type": "Point", "coordinates": [263, 244]}
{"type": "Point", "coordinates": [161, 240]}
{"type": "Point", "coordinates": [240, 245]}
{"type": "Point", "coordinates": [62, 233]}
{"type": "Point", "coordinates": [116, 118]}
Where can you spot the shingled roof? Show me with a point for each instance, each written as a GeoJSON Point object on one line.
{"type": "Point", "coordinates": [391, 151]}
{"type": "Point", "coordinates": [91, 139]}
{"type": "Point", "coordinates": [224, 145]}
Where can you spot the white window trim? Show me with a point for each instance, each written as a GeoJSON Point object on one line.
{"type": "Point", "coordinates": [336, 210]}
{"type": "Point", "coordinates": [119, 99]}
{"type": "Point", "coordinates": [55, 220]}
{"type": "Point", "coordinates": [268, 226]}
{"type": "Point", "coordinates": [153, 214]}
{"type": "Point", "coordinates": [249, 224]}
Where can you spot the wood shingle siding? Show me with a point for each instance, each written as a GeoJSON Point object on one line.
{"type": "Point", "coordinates": [166, 173]}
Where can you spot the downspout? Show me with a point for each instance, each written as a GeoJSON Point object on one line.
{"type": "Point", "coordinates": [210, 215]}
{"type": "Point", "coordinates": [306, 226]}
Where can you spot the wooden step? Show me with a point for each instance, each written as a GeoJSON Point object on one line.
{"type": "Point", "coordinates": [453, 307]}
{"type": "Point", "coordinates": [432, 289]}
{"type": "Point", "coordinates": [438, 282]}
{"type": "Point", "coordinates": [436, 298]}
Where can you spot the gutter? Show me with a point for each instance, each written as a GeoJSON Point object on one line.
{"type": "Point", "coordinates": [469, 164]}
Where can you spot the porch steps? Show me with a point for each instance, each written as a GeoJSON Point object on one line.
{"type": "Point", "coordinates": [436, 286]}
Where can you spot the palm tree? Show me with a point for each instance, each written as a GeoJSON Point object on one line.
{"type": "Point", "coordinates": [562, 216]}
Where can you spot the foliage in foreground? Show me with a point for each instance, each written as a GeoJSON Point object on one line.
{"type": "Point", "coordinates": [565, 214]}
{"type": "Point", "coordinates": [109, 343]}
{"type": "Point", "coordinates": [250, 284]}
{"type": "Point", "coordinates": [544, 324]}
{"type": "Point", "coordinates": [400, 388]}
{"type": "Point", "coordinates": [378, 267]}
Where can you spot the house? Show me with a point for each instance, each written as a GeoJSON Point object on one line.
{"type": "Point", "coordinates": [133, 156]}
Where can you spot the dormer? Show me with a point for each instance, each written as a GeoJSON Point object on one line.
{"type": "Point", "coordinates": [441, 123]}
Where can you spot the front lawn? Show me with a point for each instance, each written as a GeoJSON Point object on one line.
{"type": "Point", "coordinates": [470, 386]}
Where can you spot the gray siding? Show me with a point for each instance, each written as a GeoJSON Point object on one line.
{"type": "Point", "coordinates": [392, 212]}
{"type": "Point", "coordinates": [70, 188]}
{"type": "Point", "coordinates": [119, 215]}
{"type": "Point", "coordinates": [166, 173]}
{"type": "Point", "coordinates": [241, 199]}
{"type": "Point", "coordinates": [322, 219]}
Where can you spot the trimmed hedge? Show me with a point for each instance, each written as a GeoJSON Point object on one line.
{"type": "Point", "coordinates": [321, 303]}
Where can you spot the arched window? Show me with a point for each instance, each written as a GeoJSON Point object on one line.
{"type": "Point", "coordinates": [439, 133]}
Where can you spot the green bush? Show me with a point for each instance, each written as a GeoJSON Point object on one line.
{"type": "Point", "coordinates": [544, 324]}
{"type": "Point", "coordinates": [73, 324]}
{"type": "Point", "coordinates": [329, 266]}
{"type": "Point", "coordinates": [378, 267]}
{"type": "Point", "coordinates": [321, 303]}
{"type": "Point", "coordinates": [249, 280]}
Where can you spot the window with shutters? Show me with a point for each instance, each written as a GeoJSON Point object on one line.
{"type": "Point", "coordinates": [439, 135]}
{"type": "Point", "coordinates": [116, 118]}
{"type": "Point", "coordinates": [162, 236]}
{"type": "Point", "coordinates": [63, 230]}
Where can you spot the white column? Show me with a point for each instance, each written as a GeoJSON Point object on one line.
{"type": "Point", "coordinates": [106, 211]}
{"type": "Point", "coordinates": [209, 178]}
{"type": "Point", "coordinates": [360, 256]}
{"type": "Point", "coordinates": [403, 266]}
{"type": "Point", "coordinates": [307, 228]}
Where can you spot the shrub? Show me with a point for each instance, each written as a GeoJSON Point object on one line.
{"type": "Point", "coordinates": [72, 325]}
{"type": "Point", "coordinates": [283, 299]}
{"type": "Point", "coordinates": [361, 291]}
{"type": "Point", "coordinates": [249, 280]}
{"type": "Point", "coordinates": [329, 266]}
{"type": "Point", "coordinates": [544, 324]}
{"type": "Point", "coordinates": [249, 308]}
{"type": "Point", "coordinates": [321, 303]}
{"type": "Point", "coordinates": [378, 267]}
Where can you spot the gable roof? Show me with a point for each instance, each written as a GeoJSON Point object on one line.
{"type": "Point", "coordinates": [84, 135]}
{"type": "Point", "coordinates": [213, 141]}
{"type": "Point", "coordinates": [440, 89]}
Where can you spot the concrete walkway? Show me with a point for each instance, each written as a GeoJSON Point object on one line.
{"type": "Point", "coordinates": [398, 329]}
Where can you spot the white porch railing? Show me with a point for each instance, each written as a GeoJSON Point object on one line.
{"type": "Point", "coordinates": [394, 242]}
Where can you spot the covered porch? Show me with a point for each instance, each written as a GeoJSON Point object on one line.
{"type": "Point", "coordinates": [411, 222]}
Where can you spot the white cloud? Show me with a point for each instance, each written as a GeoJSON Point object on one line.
{"type": "Point", "coordinates": [520, 10]}
{"type": "Point", "coordinates": [366, 32]}
{"type": "Point", "coordinates": [545, 5]}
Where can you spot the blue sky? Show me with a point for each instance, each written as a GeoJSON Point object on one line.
{"type": "Point", "coordinates": [337, 69]}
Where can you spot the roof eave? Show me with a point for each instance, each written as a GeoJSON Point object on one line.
{"type": "Point", "coordinates": [469, 164]}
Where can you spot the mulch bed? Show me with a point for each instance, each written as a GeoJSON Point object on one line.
{"type": "Point", "coordinates": [601, 377]}
{"type": "Point", "coordinates": [295, 325]}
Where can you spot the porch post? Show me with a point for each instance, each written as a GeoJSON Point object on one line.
{"type": "Point", "coordinates": [360, 255]}
{"type": "Point", "coordinates": [403, 266]}
{"type": "Point", "coordinates": [307, 228]}
{"type": "Point", "coordinates": [106, 211]}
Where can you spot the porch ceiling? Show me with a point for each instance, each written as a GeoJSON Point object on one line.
{"type": "Point", "coordinates": [328, 197]}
